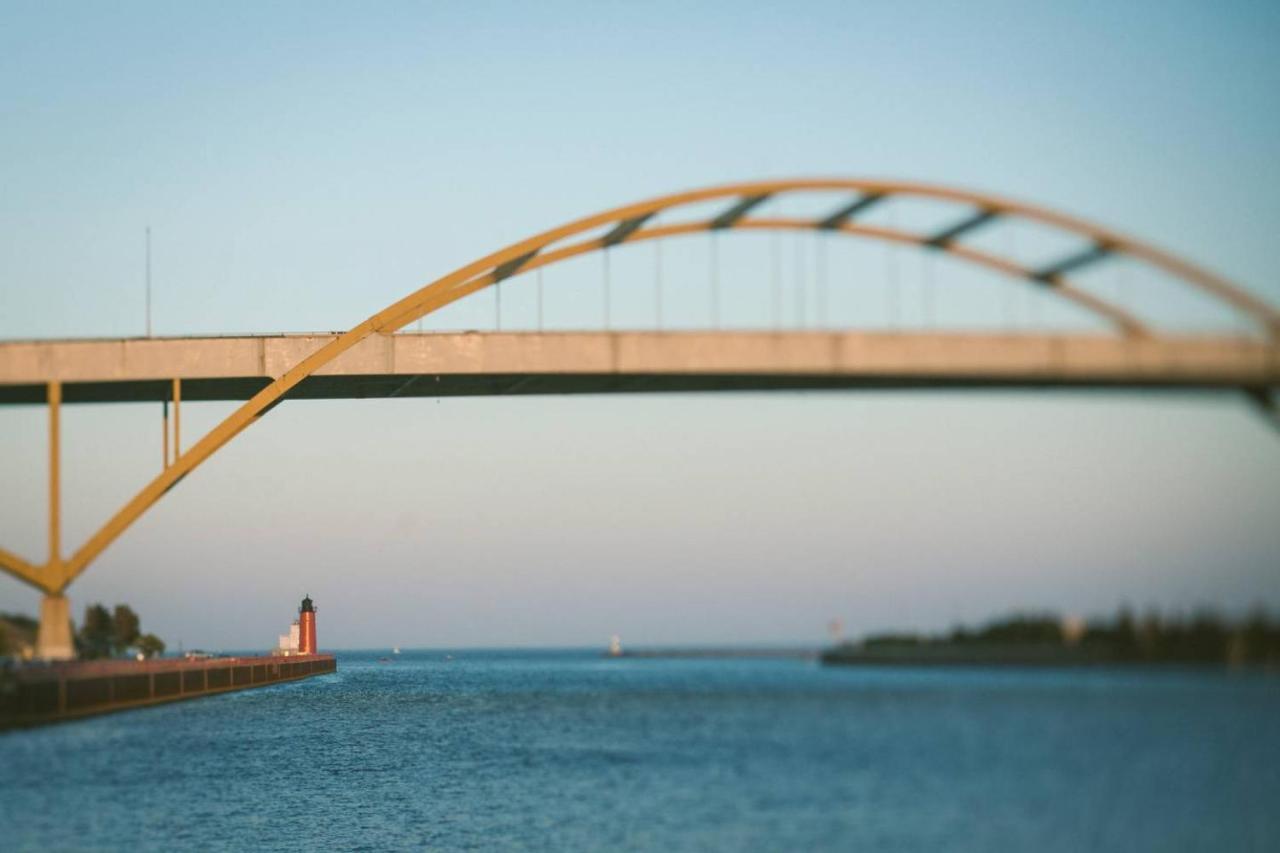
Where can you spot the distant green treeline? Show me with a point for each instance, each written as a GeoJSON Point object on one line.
{"type": "Point", "coordinates": [16, 630]}
{"type": "Point", "coordinates": [1203, 637]}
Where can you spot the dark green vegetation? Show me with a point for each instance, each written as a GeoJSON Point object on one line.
{"type": "Point", "coordinates": [105, 634]}
{"type": "Point", "coordinates": [16, 631]}
{"type": "Point", "coordinates": [1203, 638]}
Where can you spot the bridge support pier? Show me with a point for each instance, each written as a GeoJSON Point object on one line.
{"type": "Point", "coordinates": [53, 640]}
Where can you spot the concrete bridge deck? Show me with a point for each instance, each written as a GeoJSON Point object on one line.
{"type": "Point", "coordinates": [476, 363]}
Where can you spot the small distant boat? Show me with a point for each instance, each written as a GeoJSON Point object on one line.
{"type": "Point", "coordinates": [396, 650]}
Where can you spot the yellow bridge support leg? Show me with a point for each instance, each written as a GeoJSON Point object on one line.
{"type": "Point", "coordinates": [55, 476]}
{"type": "Point", "coordinates": [175, 396]}
{"type": "Point", "coordinates": [177, 419]}
{"type": "Point", "coordinates": [53, 640]}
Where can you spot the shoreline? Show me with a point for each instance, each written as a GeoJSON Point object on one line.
{"type": "Point", "coordinates": [1028, 656]}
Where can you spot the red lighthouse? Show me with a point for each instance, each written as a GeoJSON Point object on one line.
{"type": "Point", "coordinates": [307, 627]}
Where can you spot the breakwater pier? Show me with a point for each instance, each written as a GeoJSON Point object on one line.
{"type": "Point", "coordinates": [37, 694]}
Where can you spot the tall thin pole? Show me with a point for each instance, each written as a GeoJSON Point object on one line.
{"type": "Point", "coordinates": [164, 443]}
{"type": "Point", "coordinates": [148, 281]}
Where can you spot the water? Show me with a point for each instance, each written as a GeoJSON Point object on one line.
{"type": "Point", "coordinates": [567, 750]}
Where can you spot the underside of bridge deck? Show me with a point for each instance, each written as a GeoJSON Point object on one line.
{"type": "Point", "coordinates": [526, 384]}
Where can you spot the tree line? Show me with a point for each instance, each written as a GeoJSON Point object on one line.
{"type": "Point", "coordinates": [16, 630]}
{"type": "Point", "coordinates": [1204, 636]}
{"type": "Point", "coordinates": [105, 634]}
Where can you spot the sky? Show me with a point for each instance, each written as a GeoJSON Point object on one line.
{"type": "Point", "coordinates": [303, 165]}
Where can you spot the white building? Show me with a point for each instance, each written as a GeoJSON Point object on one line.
{"type": "Point", "coordinates": [289, 642]}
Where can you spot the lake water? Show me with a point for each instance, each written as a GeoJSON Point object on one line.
{"type": "Point", "coordinates": [570, 751]}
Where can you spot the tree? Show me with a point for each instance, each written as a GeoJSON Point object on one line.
{"type": "Point", "coordinates": [126, 628]}
{"type": "Point", "coordinates": [150, 645]}
{"type": "Point", "coordinates": [96, 634]}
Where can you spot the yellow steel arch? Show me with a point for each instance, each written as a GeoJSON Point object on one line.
{"type": "Point", "coordinates": [630, 225]}
{"type": "Point", "coordinates": [1115, 315]}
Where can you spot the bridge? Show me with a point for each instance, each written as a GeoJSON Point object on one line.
{"type": "Point", "coordinates": [377, 358]}
{"type": "Point", "coordinates": [444, 364]}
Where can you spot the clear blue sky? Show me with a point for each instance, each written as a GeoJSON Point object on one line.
{"type": "Point", "coordinates": [303, 165]}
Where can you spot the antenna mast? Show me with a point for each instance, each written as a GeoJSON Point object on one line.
{"type": "Point", "coordinates": [148, 281]}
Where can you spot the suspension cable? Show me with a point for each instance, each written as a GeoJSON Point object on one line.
{"type": "Point", "coordinates": [926, 292]}
{"type": "Point", "coordinates": [798, 255]}
{"type": "Point", "coordinates": [820, 274]}
{"type": "Point", "coordinates": [657, 282]}
{"type": "Point", "coordinates": [775, 265]}
{"type": "Point", "coordinates": [892, 294]}
{"type": "Point", "coordinates": [607, 295]}
{"type": "Point", "coordinates": [1007, 295]}
{"type": "Point", "coordinates": [715, 281]}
